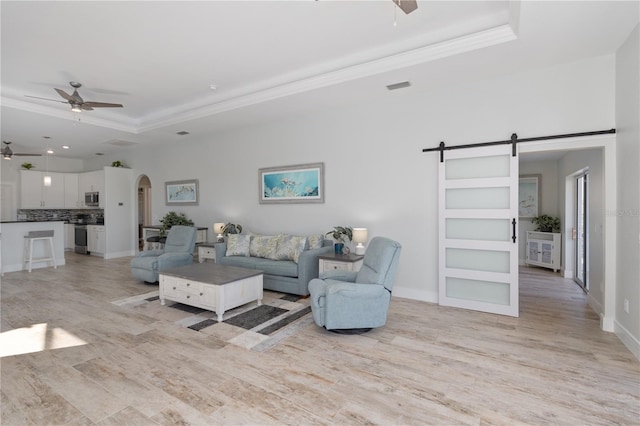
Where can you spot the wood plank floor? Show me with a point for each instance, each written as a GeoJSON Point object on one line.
{"type": "Point", "coordinates": [88, 361]}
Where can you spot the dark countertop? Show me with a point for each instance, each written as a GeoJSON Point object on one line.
{"type": "Point", "coordinates": [31, 221]}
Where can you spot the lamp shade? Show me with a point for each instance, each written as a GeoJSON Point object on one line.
{"type": "Point", "coordinates": [360, 235]}
{"type": "Point", "coordinates": [217, 228]}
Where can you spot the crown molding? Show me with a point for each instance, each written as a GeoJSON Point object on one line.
{"type": "Point", "coordinates": [490, 37]}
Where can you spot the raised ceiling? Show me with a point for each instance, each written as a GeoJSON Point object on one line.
{"type": "Point", "coordinates": [266, 59]}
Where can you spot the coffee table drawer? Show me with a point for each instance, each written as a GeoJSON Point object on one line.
{"type": "Point", "coordinates": [172, 284]}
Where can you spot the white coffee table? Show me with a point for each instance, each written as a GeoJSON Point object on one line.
{"type": "Point", "coordinates": [211, 286]}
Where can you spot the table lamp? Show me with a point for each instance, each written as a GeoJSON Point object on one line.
{"type": "Point", "coordinates": [217, 229]}
{"type": "Point", "coordinates": [359, 237]}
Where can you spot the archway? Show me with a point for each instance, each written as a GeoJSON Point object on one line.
{"type": "Point", "coordinates": [143, 187]}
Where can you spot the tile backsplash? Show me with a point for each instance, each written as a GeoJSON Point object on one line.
{"type": "Point", "coordinates": [67, 215]}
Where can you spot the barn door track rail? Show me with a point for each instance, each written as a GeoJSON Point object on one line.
{"type": "Point", "coordinates": [514, 141]}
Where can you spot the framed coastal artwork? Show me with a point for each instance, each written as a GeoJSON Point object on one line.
{"type": "Point", "coordinates": [301, 183]}
{"type": "Point", "coordinates": [181, 192]}
{"type": "Point", "coordinates": [529, 196]}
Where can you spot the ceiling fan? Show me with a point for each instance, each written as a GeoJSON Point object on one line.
{"type": "Point", "coordinates": [407, 6]}
{"type": "Point", "coordinates": [7, 153]}
{"type": "Point", "coordinates": [75, 100]}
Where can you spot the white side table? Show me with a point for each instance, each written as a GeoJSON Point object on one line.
{"type": "Point", "coordinates": [339, 262]}
{"type": "Point", "coordinates": [206, 251]}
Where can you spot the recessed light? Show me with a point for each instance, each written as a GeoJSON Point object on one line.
{"type": "Point", "coordinates": [65, 146]}
{"type": "Point", "coordinates": [49, 151]}
{"type": "Point", "coordinates": [47, 137]}
{"type": "Point", "coordinates": [213, 87]}
{"type": "Point", "coordinates": [182, 133]}
{"type": "Point", "coordinates": [99, 153]}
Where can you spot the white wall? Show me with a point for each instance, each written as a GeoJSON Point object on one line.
{"type": "Point", "coordinates": [376, 174]}
{"type": "Point", "coordinates": [548, 171]}
{"type": "Point", "coordinates": [119, 207]}
{"type": "Point", "coordinates": [570, 164]}
{"type": "Point", "coordinates": [628, 152]}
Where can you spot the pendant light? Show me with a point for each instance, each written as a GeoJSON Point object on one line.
{"type": "Point", "coordinates": [47, 176]}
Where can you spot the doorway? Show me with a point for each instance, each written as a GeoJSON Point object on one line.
{"type": "Point", "coordinates": [581, 236]}
{"type": "Point", "coordinates": [144, 207]}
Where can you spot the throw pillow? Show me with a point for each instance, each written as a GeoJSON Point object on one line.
{"type": "Point", "coordinates": [315, 241]}
{"type": "Point", "coordinates": [290, 247]}
{"type": "Point", "coordinates": [264, 246]}
{"type": "Point", "coordinates": [238, 245]}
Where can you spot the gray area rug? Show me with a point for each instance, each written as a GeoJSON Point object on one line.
{"type": "Point", "coordinates": [253, 327]}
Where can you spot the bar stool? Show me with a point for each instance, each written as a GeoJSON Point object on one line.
{"type": "Point", "coordinates": [33, 236]}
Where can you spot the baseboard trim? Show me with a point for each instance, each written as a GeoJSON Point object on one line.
{"type": "Point", "coordinates": [415, 294]}
{"type": "Point", "coordinates": [627, 339]}
{"type": "Point", "coordinates": [119, 254]}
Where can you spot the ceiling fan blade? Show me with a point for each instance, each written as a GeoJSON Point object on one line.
{"type": "Point", "coordinates": [27, 155]}
{"type": "Point", "coordinates": [65, 95]}
{"type": "Point", "coordinates": [407, 6]}
{"type": "Point", "coordinates": [45, 99]}
{"type": "Point", "coordinates": [100, 105]}
{"type": "Point", "coordinates": [85, 107]}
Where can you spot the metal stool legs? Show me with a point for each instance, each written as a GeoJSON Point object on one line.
{"type": "Point", "coordinates": [47, 237]}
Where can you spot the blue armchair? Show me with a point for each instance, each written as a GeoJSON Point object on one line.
{"type": "Point", "coordinates": [178, 251]}
{"type": "Point", "coordinates": [358, 301]}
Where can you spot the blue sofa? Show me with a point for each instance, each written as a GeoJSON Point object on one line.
{"type": "Point", "coordinates": [284, 276]}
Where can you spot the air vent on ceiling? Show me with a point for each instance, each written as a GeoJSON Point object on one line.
{"type": "Point", "coordinates": [397, 86]}
{"type": "Point", "coordinates": [182, 133]}
{"type": "Point", "coordinates": [120, 142]}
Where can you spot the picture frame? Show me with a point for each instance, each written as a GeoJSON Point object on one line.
{"type": "Point", "coordinates": [300, 183]}
{"type": "Point", "coordinates": [181, 192]}
{"type": "Point", "coordinates": [529, 196]}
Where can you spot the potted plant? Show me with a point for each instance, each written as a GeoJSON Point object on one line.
{"type": "Point", "coordinates": [27, 166]}
{"type": "Point", "coordinates": [173, 218]}
{"type": "Point", "coordinates": [117, 163]}
{"type": "Point", "coordinates": [340, 234]}
{"type": "Point", "coordinates": [231, 228]}
{"type": "Point", "coordinates": [546, 223]}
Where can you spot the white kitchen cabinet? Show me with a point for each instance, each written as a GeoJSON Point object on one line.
{"type": "Point", "coordinates": [96, 243]}
{"type": "Point", "coordinates": [543, 249]}
{"type": "Point", "coordinates": [92, 182]}
{"type": "Point", "coordinates": [69, 237]}
{"type": "Point", "coordinates": [33, 193]}
{"type": "Point", "coordinates": [71, 194]}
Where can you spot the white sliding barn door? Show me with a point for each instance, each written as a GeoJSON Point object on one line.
{"type": "Point", "coordinates": [478, 210]}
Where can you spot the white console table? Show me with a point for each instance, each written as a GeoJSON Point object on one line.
{"type": "Point", "coordinates": [154, 231]}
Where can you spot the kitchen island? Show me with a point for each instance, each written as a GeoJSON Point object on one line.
{"type": "Point", "coordinates": [13, 234]}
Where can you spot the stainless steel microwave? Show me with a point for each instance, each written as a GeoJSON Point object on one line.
{"type": "Point", "coordinates": [91, 199]}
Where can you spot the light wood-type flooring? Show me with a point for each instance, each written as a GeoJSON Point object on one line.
{"type": "Point", "coordinates": [86, 361]}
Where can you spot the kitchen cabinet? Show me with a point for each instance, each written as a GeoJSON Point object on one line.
{"type": "Point", "coordinates": [71, 194]}
{"type": "Point", "coordinates": [35, 195]}
{"type": "Point", "coordinates": [96, 242]}
{"type": "Point", "coordinates": [92, 182]}
{"type": "Point", "coordinates": [543, 249]}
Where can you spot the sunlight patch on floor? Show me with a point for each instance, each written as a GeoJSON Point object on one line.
{"type": "Point", "coordinates": [36, 338]}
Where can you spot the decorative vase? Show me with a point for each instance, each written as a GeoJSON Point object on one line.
{"type": "Point", "coordinates": [337, 247]}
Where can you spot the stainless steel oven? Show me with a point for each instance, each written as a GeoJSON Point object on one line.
{"type": "Point", "coordinates": [81, 239]}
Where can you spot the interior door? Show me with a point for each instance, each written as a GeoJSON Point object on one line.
{"type": "Point", "coordinates": [478, 211]}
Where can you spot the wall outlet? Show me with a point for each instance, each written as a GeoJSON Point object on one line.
{"type": "Point", "coordinates": [626, 305]}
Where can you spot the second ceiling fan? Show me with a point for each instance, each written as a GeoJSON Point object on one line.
{"type": "Point", "coordinates": [75, 100]}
